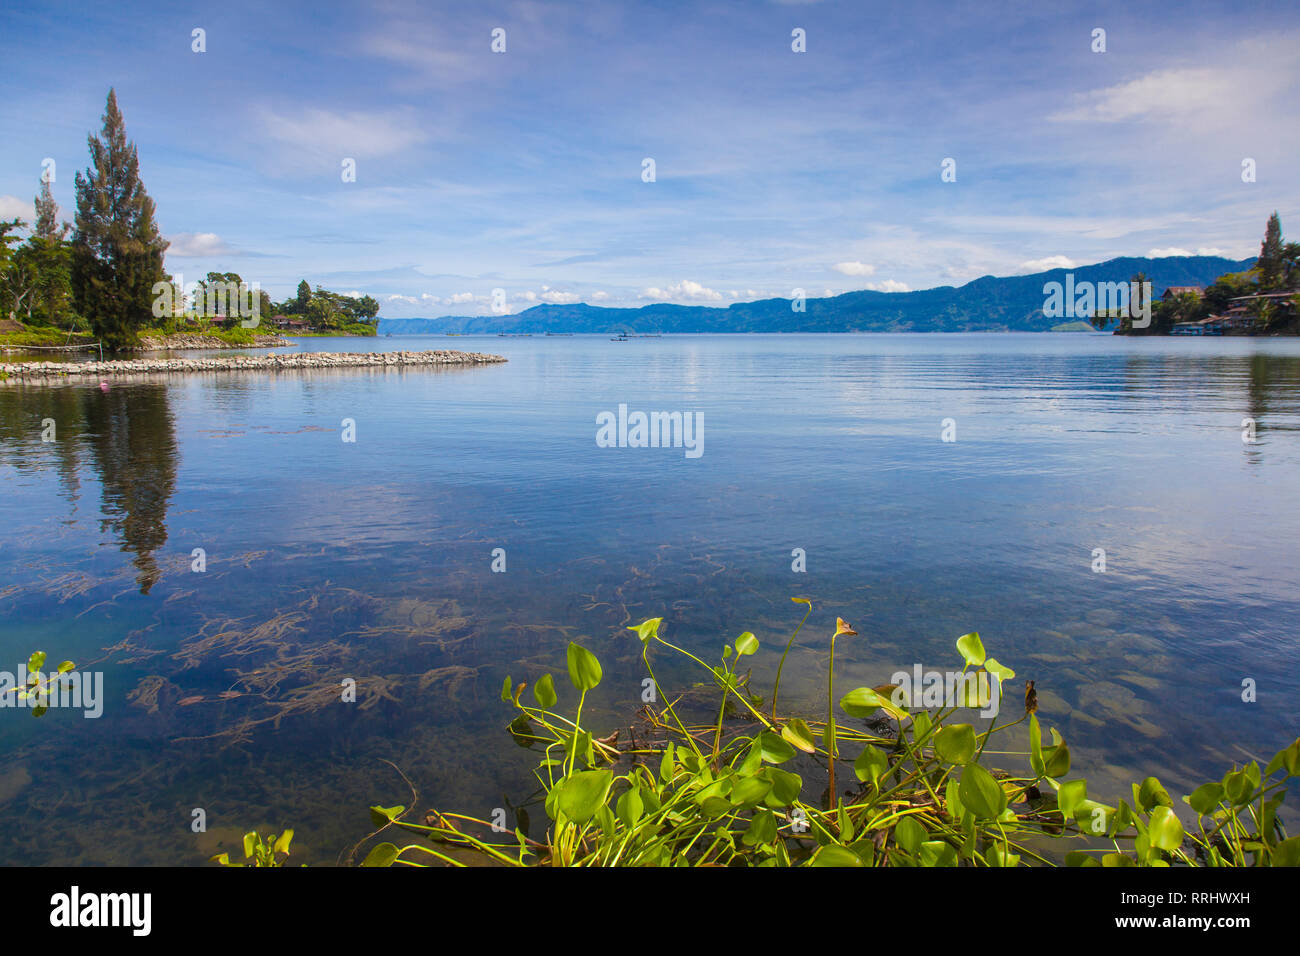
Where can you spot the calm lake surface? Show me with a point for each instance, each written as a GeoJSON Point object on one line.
{"type": "Point", "coordinates": [373, 560]}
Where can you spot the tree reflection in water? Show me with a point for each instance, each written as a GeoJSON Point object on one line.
{"type": "Point", "coordinates": [131, 436]}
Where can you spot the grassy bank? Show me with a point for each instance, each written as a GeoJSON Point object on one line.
{"type": "Point", "coordinates": [43, 337]}
{"type": "Point", "coordinates": [357, 329]}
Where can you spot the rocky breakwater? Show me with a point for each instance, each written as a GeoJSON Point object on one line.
{"type": "Point", "coordinates": [86, 371]}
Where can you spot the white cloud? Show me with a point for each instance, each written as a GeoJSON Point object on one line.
{"type": "Point", "coordinates": [889, 285]}
{"type": "Point", "coordinates": [187, 245]}
{"type": "Point", "coordinates": [1161, 95]}
{"type": "Point", "coordinates": [1232, 90]}
{"type": "Point", "coordinates": [357, 134]}
{"type": "Point", "coordinates": [1176, 251]}
{"type": "Point", "coordinates": [686, 290]}
{"type": "Point", "coordinates": [11, 207]}
{"type": "Point", "coordinates": [854, 269]}
{"type": "Point", "coordinates": [1043, 265]}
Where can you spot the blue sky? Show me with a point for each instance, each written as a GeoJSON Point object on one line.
{"type": "Point", "coordinates": [774, 169]}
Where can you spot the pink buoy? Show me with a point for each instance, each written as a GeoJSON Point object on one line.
{"type": "Point", "coordinates": [103, 386]}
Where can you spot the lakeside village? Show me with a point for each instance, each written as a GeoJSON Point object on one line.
{"type": "Point", "coordinates": [1263, 300]}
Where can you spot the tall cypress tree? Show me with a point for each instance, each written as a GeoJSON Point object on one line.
{"type": "Point", "coordinates": [117, 252]}
{"type": "Point", "coordinates": [1269, 265]}
{"type": "Point", "coordinates": [47, 215]}
{"type": "Point", "coordinates": [52, 256]}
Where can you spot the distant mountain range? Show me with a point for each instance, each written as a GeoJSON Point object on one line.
{"type": "Point", "coordinates": [987, 304]}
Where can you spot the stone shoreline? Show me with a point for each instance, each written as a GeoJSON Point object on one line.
{"type": "Point", "coordinates": [17, 372]}
{"type": "Point", "coordinates": [182, 341]}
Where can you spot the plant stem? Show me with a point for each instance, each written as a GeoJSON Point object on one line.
{"type": "Point", "coordinates": [830, 724]}
{"type": "Point", "coordinates": [777, 686]}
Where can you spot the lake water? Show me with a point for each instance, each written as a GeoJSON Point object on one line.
{"type": "Point", "coordinates": [372, 559]}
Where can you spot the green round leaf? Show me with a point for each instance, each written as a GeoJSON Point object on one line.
{"type": "Point", "coordinates": [647, 629]}
{"type": "Point", "coordinates": [1056, 759]}
{"type": "Point", "coordinates": [835, 855]}
{"type": "Point", "coordinates": [1000, 671]}
{"type": "Point", "coordinates": [786, 786]}
{"type": "Point", "coordinates": [746, 644]}
{"type": "Point", "coordinates": [909, 834]}
{"type": "Point", "coordinates": [1287, 853]}
{"type": "Point", "coordinates": [938, 853]}
{"type": "Point", "coordinates": [750, 791]}
{"type": "Point", "coordinates": [980, 793]}
{"type": "Point", "coordinates": [630, 807]}
{"type": "Point", "coordinates": [972, 648]}
{"type": "Point", "coordinates": [544, 692]}
{"type": "Point", "coordinates": [871, 764]}
{"type": "Point", "coordinates": [584, 669]}
{"type": "Point", "coordinates": [1165, 830]}
{"type": "Point", "coordinates": [382, 855]}
{"type": "Point", "coordinates": [1070, 796]}
{"type": "Point", "coordinates": [774, 749]}
{"type": "Point", "coordinates": [798, 733]}
{"type": "Point", "coordinates": [282, 844]}
{"type": "Point", "coordinates": [762, 828]}
{"type": "Point", "coordinates": [1151, 793]}
{"type": "Point", "coordinates": [582, 794]}
{"type": "Point", "coordinates": [863, 702]}
{"type": "Point", "coordinates": [382, 815]}
{"type": "Point", "coordinates": [955, 744]}
{"type": "Point", "coordinates": [1205, 798]}
{"type": "Point", "coordinates": [1237, 786]}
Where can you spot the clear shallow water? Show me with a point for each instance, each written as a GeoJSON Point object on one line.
{"type": "Point", "coordinates": [372, 560]}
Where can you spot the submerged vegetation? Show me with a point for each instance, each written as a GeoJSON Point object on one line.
{"type": "Point", "coordinates": [727, 793]}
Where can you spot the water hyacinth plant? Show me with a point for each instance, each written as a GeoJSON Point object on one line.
{"type": "Point", "coordinates": [737, 793]}
{"type": "Point", "coordinates": [39, 685]}
{"type": "Point", "coordinates": [258, 852]}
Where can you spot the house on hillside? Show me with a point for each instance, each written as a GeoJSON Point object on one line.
{"type": "Point", "coordinates": [1237, 318]}
{"type": "Point", "coordinates": [291, 323]}
{"type": "Point", "coordinates": [1177, 290]}
{"type": "Point", "coordinates": [1279, 298]}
